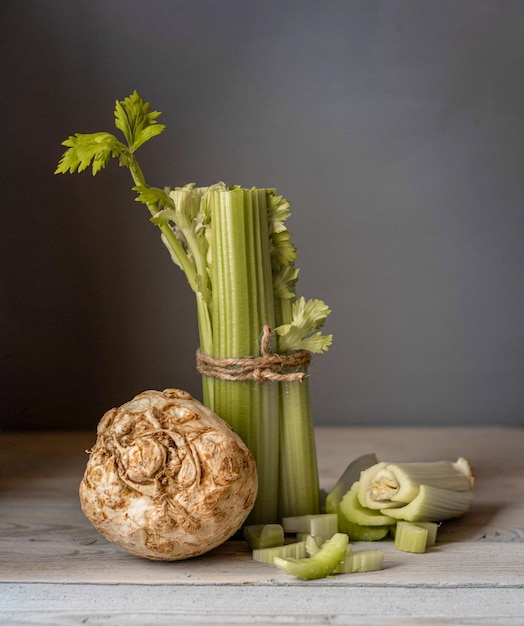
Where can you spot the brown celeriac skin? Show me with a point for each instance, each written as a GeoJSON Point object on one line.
{"type": "Point", "coordinates": [167, 479]}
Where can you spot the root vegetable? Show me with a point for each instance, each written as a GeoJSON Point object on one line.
{"type": "Point", "coordinates": [167, 479]}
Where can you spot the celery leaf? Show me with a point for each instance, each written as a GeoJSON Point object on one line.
{"type": "Point", "coordinates": [132, 117]}
{"type": "Point", "coordinates": [284, 251]}
{"type": "Point", "coordinates": [284, 282]}
{"type": "Point", "coordinates": [93, 149]}
{"type": "Point", "coordinates": [278, 212]}
{"type": "Point", "coordinates": [152, 197]}
{"type": "Point", "coordinates": [308, 316]}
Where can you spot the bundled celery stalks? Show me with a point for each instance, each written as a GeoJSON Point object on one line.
{"type": "Point", "coordinates": [256, 336]}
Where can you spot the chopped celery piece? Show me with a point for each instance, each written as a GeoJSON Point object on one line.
{"type": "Point", "coordinates": [361, 561]}
{"type": "Point", "coordinates": [264, 535]}
{"type": "Point", "coordinates": [351, 509]}
{"type": "Point", "coordinates": [433, 505]}
{"type": "Point", "coordinates": [321, 525]}
{"type": "Point", "coordinates": [349, 477]}
{"type": "Point", "coordinates": [432, 529]}
{"type": "Point", "coordinates": [314, 544]}
{"type": "Point", "coordinates": [411, 538]}
{"type": "Point", "coordinates": [322, 564]}
{"type": "Point", "coordinates": [295, 550]}
{"type": "Point", "coordinates": [324, 525]}
{"type": "Point", "coordinates": [357, 532]}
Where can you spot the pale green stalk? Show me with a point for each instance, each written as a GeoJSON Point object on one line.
{"type": "Point", "coordinates": [299, 486]}
{"type": "Point", "coordinates": [170, 237]}
{"type": "Point", "coordinates": [242, 305]}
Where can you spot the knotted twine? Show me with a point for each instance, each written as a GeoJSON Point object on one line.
{"type": "Point", "coordinates": [269, 366]}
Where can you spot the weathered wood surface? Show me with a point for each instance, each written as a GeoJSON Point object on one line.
{"type": "Point", "coordinates": [55, 568]}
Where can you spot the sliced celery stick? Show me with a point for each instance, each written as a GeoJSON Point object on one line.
{"type": "Point", "coordinates": [361, 561]}
{"type": "Point", "coordinates": [354, 512]}
{"type": "Point", "coordinates": [322, 564]}
{"type": "Point", "coordinates": [357, 532]}
{"type": "Point", "coordinates": [295, 550]}
{"type": "Point", "coordinates": [351, 475]}
{"type": "Point", "coordinates": [410, 538]}
{"type": "Point", "coordinates": [264, 535]}
{"type": "Point", "coordinates": [433, 505]}
{"type": "Point", "coordinates": [323, 524]}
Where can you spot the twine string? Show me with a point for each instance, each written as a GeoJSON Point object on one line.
{"type": "Point", "coordinates": [268, 366]}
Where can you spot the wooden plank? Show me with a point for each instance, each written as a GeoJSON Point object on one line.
{"type": "Point", "coordinates": [152, 605]}
{"type": "Point", "coordinates": [453, 564]}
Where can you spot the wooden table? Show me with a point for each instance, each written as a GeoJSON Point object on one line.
{"type": "Point", "coordinates": [55, 568]}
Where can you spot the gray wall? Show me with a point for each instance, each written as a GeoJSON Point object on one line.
{"type": "Point", "coordinates": [394, 127]}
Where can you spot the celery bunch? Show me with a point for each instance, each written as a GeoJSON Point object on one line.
{"type": "Point", "coordinates": [238, 258]}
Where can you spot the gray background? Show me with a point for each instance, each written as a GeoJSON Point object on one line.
{"type": "Point", "coordinates": [396, 130]}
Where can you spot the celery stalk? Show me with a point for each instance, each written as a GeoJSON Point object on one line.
{"type": "Point", "coordinates": [299, 486]}
{"type": "Point", "coordinates": [242, 305]}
